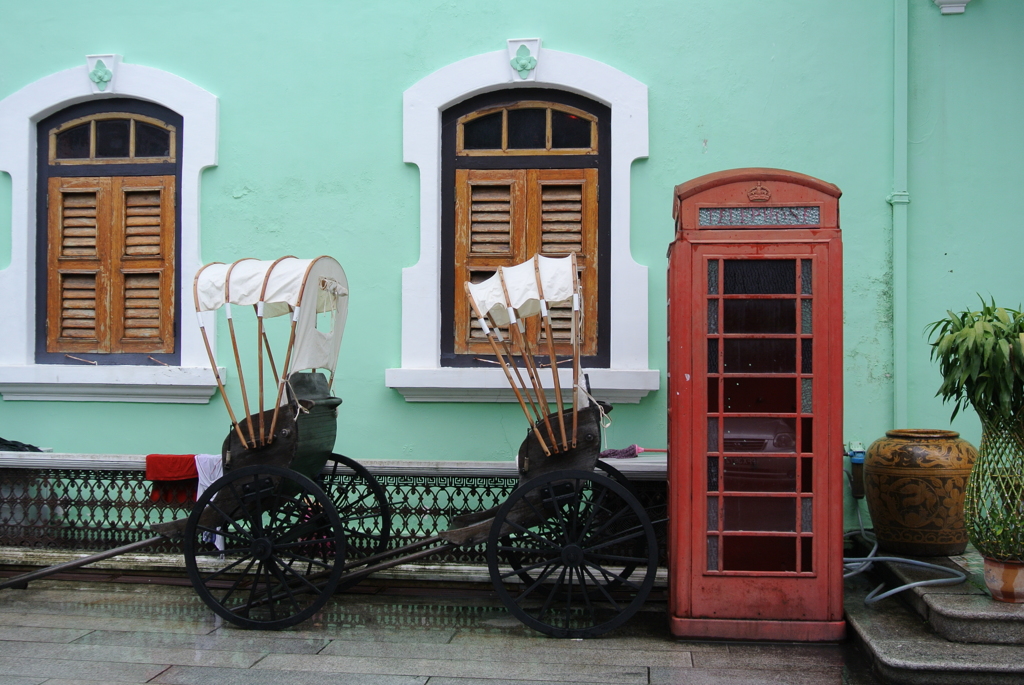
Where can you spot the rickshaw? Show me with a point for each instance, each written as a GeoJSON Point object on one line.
{"type": "Point", "coordinates": [571, 552]}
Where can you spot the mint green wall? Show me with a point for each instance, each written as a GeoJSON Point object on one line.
{"type": "Point", "coordinates": [310, 161]}
{"type": "Point", "coordinates": [966, 147]}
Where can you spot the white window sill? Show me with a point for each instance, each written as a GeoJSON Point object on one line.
{"type": "Point", "coordinates": [64, 383]}
{"type": "Point", "coordinates": [617, 386]}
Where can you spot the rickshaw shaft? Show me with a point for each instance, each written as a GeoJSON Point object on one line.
{"type": "Point", "coordinates": [22, 580]}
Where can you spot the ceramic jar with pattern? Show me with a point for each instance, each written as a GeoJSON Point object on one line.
{"type": "Point", "coordinates": [914, 480]}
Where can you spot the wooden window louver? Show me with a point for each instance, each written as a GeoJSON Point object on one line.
{"type": "Point", "coordinates": [503, 217]}
{"type": "Point", "coordinates": [111, 264]}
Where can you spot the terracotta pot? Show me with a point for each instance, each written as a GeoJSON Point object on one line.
{"type": "Point", "coordinates": [914, 480]}
{"type": "Point", "coordinates": [1005, 580]}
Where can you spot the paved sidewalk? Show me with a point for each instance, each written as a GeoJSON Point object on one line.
{"type": "Point", "coordinates": [64, 632]}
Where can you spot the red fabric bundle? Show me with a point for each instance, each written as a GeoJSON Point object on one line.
{"type": "Point", "coordinates": [174, 477]}
{"type": "Point", "coordinates": [171, 466]}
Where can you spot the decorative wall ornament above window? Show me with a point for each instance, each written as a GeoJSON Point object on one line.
{"type": "Point", "coordinates": [523, 56]}
{"type": "Point", "coordinates": [102, 72]}
{"type": "Point", "coordinates": [100, 75]}
{"type": "Point", "coordinates": [524, 62]}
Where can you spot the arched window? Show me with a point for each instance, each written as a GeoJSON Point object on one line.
{"type": "Point", "coordinates": [108, 191]}
{"type": "Point", "coordinates": [522, 174]}
{"type": "Point", "coordinates": [430, 370]}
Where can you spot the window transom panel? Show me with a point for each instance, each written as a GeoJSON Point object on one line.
{"type": "Point", "coordinates": [527, 128]}
{"type": "Point", "coordinates": [112, 138]}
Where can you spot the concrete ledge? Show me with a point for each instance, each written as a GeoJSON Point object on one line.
{"type": "Point", "coordinates": [163, 563]}
{"type": "Point", "coordinates": [443, 384]}
{"type": "Point", "coordinates": [65, 383]}
{"type": "Point", "coordinates": [641, 468]}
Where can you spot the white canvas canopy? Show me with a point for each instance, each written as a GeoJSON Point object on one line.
{"type": "Point", "coordinates": [556, 281]}
{"type": "Point", "coordinates": [306, 287]}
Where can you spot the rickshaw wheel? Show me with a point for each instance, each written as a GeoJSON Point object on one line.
{"type": "Point", "coordinates": [574, 532]}
{"type": "Point", "coordinates": [284, 547]}
{"type": "Point", "coordinates": [617, 476]}
{"type": "Point", "coordinates": [513, 560]}
{"type": "Point", "coordinates": [362, 507]}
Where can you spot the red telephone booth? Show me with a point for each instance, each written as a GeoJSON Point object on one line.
{"type": "Point", "coordinates": [755, 408]}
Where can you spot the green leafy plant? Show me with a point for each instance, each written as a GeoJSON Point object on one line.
{"type": "Point", "coordinates": [981, 359]}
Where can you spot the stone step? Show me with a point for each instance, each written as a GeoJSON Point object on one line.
{"type": "Point", "coordinates": [904, 650]}
{"type": "Point", "coordinates": [959, 613]}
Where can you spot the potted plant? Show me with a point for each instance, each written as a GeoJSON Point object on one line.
{"type": "Point", "coordinates": [981, 360]}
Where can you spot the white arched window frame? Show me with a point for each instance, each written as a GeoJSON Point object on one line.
{"type": "Point", "coordinates": [421, 377]}
{"type": "Point", "coordinates": [20, 377]}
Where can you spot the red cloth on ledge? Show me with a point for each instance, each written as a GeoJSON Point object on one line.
{"type": "Point", "coordinates": [171, 467]}
{"type": "Point", "coordinates": [174, 477]}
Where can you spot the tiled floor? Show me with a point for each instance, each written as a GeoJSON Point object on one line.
{"type": "Point", "coordinates": [63, 632]}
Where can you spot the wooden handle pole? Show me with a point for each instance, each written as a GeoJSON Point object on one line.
{"type": "Point", "coordinates": [234, 346]}
{"type": "Point", "coordinates": [527, 355]}
{"type": "Point", "coordinates": [220, 386]}
{"type": "Point", "coordinates": [270, 356]}
{"type": "Point", "coordinates": [241, 379]}
{"type": "Point", "coordinates": [284, 379]}
{"type": "Point", "coordinates": [504, 367]}
{"type": "Point", "coordinates": [260, 337]}
{"type": "Point", "coordinates": [551, 350]}
{"type": "Point", "coordinates": [213, 361]}
{"type": "Point", "coordinates": [577, 302]}
{"type": "Point", "coordinates": [515, 368]}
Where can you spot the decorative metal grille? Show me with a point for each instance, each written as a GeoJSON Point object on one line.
{"type": "Point", "coordinates": [96, 510]}
{"type": "Point", "coordinates": [759, 216]}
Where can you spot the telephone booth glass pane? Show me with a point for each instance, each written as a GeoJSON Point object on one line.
{"type": "Point", "coordinates": [760, 396]}
{"type": "Point", "coordinates": [760, 277]}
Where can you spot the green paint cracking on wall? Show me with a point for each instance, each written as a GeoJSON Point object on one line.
{"type": "Point", "coordinates": [100, 75]}
{"type": "Point", "coordinates": [524, 62]}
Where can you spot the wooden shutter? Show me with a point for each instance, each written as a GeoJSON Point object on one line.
{"type": "Point", "coordinates": [143, 269]}
{"type": "Point", "coordinates": [503, 217]}
{"type": "Point", "coordinates": [110, 265]}
{"type": "Point", "coordinates": [78, 218]}
{"type": "Point", "coordinates": [490, 213]}
{"type": "Point", "coordinates": [563, 220]}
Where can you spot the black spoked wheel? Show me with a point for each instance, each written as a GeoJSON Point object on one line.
{"type": "Point", "coordinates": [513, 560]}
{"type": "Point", "coordinates": [362, 507]}
{"type": "Point", "coordinates": [616, 475]}
{"type": "Point", "coordinates": [573, 534]}
{"type": "Point", "coordinates": [264, 547]}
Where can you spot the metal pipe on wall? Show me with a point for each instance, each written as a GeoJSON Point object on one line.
{"type": "Point", "coordinates": [899, 199]}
